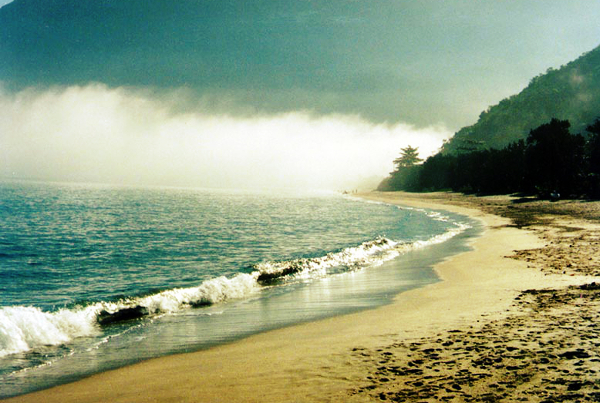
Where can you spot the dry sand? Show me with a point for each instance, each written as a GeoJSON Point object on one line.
{"type": "Point", "coordinates": [482, 334]}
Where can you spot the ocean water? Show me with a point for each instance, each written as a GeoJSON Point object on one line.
{"type": "Point", "coordinates": [94, 277]}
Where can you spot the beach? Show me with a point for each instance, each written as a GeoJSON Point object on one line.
{"type": "Point", "coordinates": [514, 319]}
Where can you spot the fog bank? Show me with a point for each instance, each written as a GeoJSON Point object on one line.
{"type": "Point", "coordinates": [98, 134]}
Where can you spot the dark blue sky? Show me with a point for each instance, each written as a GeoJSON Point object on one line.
{"type": "Point", "coordinates": [421, 62]}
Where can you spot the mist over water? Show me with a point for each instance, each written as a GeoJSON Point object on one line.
{"type": "Point", "coordinates": [98, 134]}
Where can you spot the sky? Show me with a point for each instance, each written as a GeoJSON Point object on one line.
{"type": "Point", "coordinates": [234, 93]}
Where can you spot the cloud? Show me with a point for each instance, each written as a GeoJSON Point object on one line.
{"type": "Point", "coordinates": [95, 133]}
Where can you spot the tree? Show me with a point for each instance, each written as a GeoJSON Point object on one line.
{"type": "Point", "coordinates": [593, 156]}
{"type": "Point", "coordinates": [406, 174]}
{"type": "Point", "coordinates": [555, 158]}
{"type": "Point", "coordinates": [593, 146]}
{"type": "Point", "coordinates": [408, 158]}
{"type": "Point", "coordinates": [437, 172]}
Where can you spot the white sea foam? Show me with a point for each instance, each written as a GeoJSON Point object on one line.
{"type": "Point", "coordinates": [355, 256]}
{"type": "Point", "coordinates": [210, 292]}
{"type": "Point", "coordinates": [371, 253]}
{"type": "Point", "coordinates": [25, 328]}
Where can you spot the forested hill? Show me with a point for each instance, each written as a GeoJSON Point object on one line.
{"type": "Point", "coordinates": [570, 93]}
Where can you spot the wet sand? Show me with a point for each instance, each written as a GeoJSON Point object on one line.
{"type": "Point", "coordinates": [515, 319]}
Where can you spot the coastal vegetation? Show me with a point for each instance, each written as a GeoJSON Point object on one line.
{"type": "Point", "coordinates": [550, 162]}
{"type": "Point", "coordinates": [544, 140]}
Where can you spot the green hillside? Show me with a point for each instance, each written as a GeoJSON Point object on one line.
{"type": "Point", "coordinates": [570, 93]}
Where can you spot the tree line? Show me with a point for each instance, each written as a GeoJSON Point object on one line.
{"type": "Point", "coordinates": [550, 161]}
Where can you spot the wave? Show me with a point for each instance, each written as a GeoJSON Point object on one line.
{"type": "Point", "coordinates": [367, 253]}
{"type": "Point", "coordinates": [23, 328]}
{"type": "Point", "coordinates": [26, 328]}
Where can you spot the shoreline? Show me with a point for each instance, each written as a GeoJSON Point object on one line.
{"type": "Point", "coordinates": [339, 359]}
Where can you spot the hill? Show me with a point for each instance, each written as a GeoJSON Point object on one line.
{"type": "Point", "coordinates": [571, 93]}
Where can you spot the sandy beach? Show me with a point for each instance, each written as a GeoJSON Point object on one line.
{"type": "Point", "coordinates": [514, 319]}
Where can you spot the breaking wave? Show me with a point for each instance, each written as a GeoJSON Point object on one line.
{"type": "Point", "coordinates": [26, 328]}
{"type": "Point", "coordinates": [23, 328]}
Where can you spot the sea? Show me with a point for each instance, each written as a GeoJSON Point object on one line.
{"type": "Point", "coordinates": [95, 277]}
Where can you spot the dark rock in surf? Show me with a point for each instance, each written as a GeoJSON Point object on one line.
{"type": "Point", "coordinates": [200, 303]}
{"type": "Point", "coordinates": [106, 318]}
{"type": "Point", "coordinates": [268, 278]}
